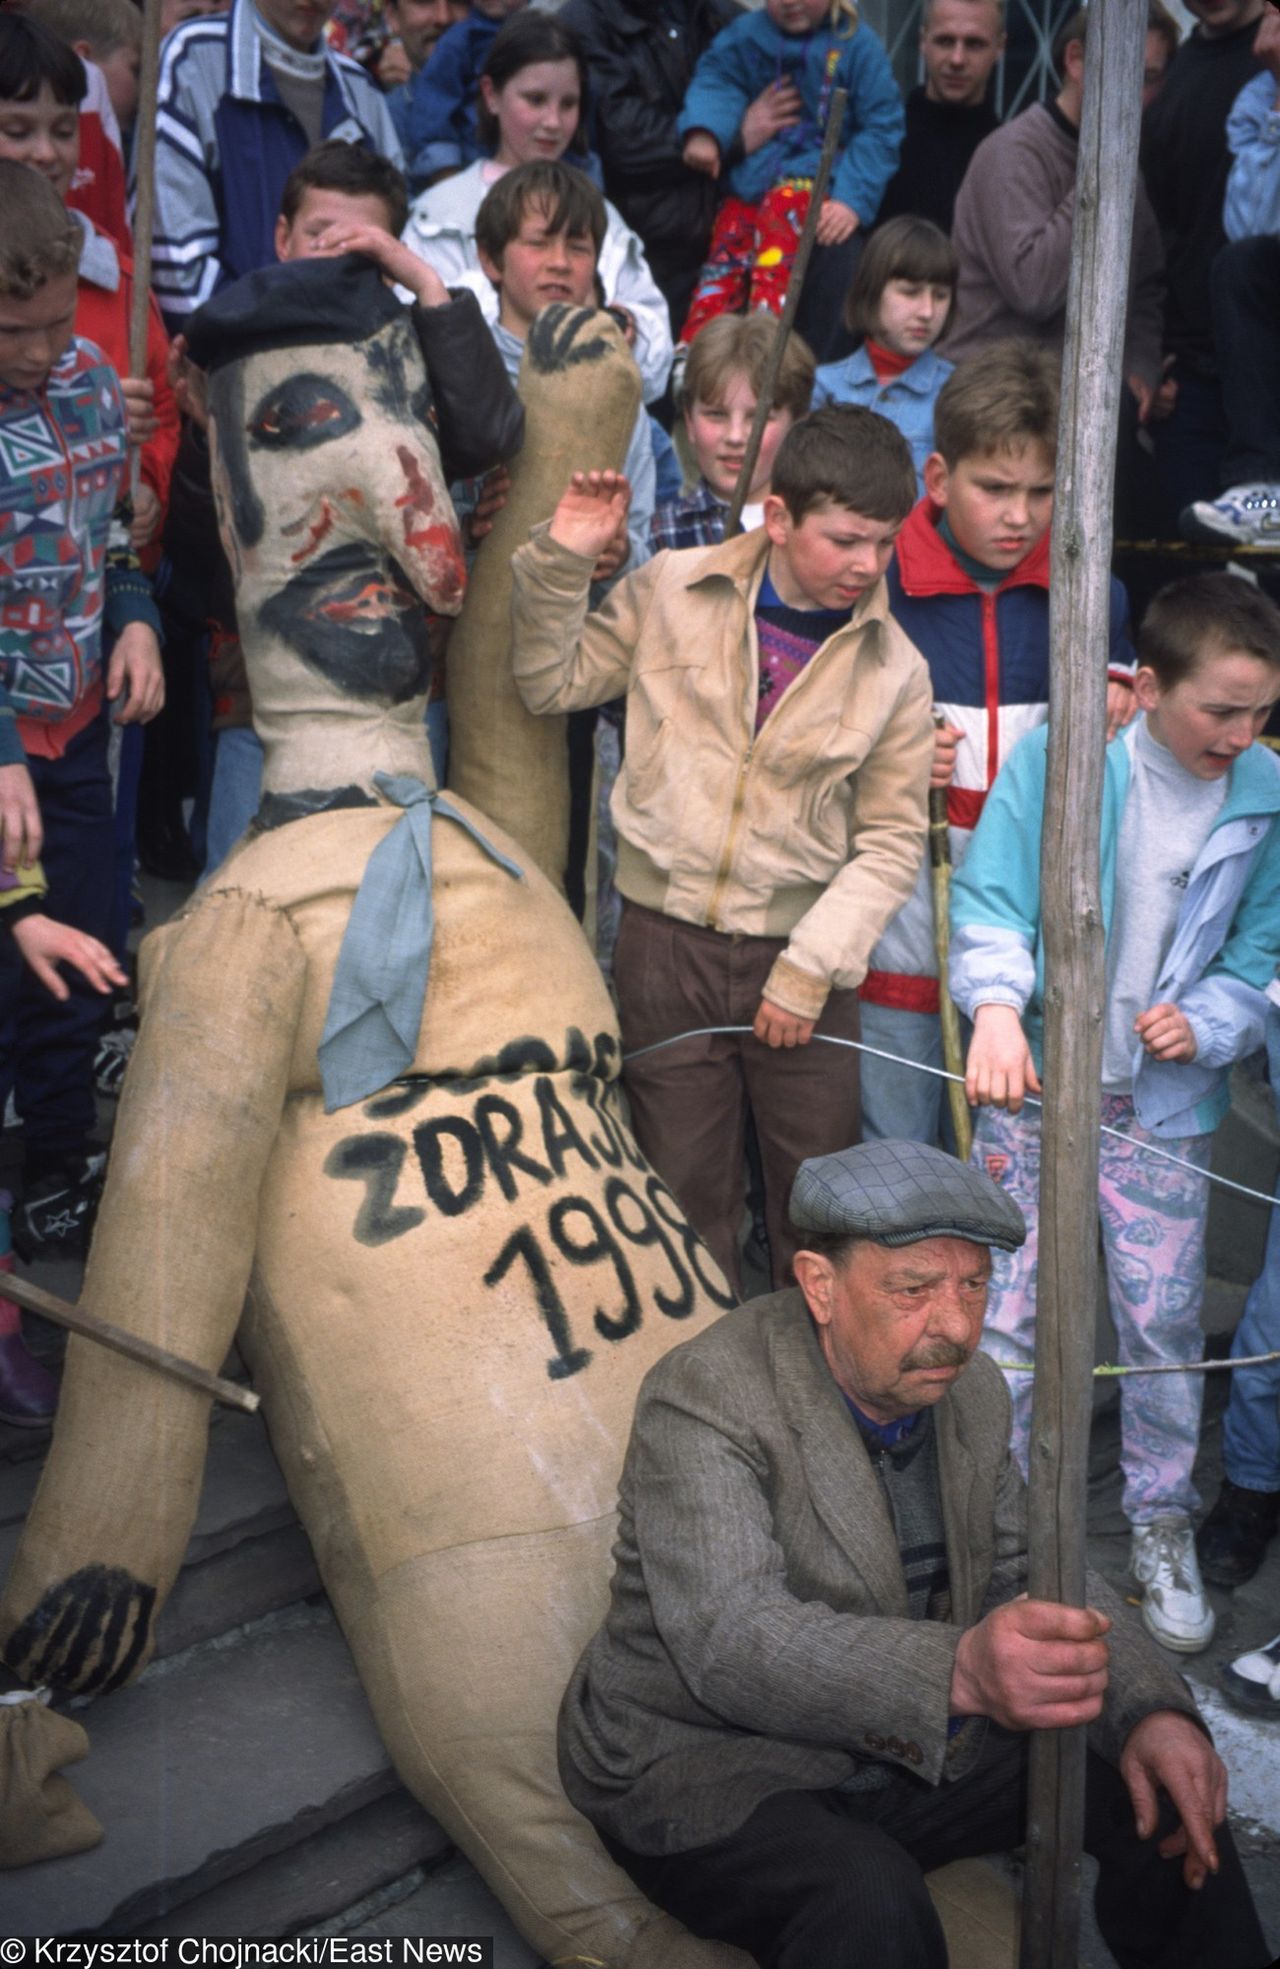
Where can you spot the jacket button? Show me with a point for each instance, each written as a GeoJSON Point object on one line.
{"type": "Point", "coordinates": [914, 1754]}
{"type": "Point", "coordinates": [873, 1742]}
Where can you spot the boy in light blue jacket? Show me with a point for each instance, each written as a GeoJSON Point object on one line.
{"type": "Point", "coordinates": [1190, 856]}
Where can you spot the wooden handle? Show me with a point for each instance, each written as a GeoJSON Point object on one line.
{"type": "Point", "coordinates": [791, 301]}
{"type": "Point", "coordinates": [952, 1050]}
{"type": "Point", "coordinates": [36, 1300]}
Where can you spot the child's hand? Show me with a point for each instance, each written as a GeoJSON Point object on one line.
{"type": "Point", "coordinates": [187, 383]}
{"type": "Point", "coordinates": [1166, 1033]}
{"type": "Point", "coordinates": [1166, 396]}
{"type": "Point", "coordinates": [44, 943]}
{"type": "Point", "coordinates": [139, 394]}
{"type": "Point", "coordinates": [146, 517]}
{"type": "Point", "coordinates": [1000, 1072]}
{"type": "Point", "coordinates": [1121, 705]}
{"type": "Point", "coordinates": [1143, 395]}
{"type": "Point", "coordinates": [778, 107]}
{"type": "Point", "coordinates": [393, 257]}
{"type": "Point", "coordinates": [592, 508]}
{"type": "Point", "coordinates": [836, 223]}
{"type": "Point", "coordinates": [494, 488]}
{"type": "Point", "coordinates": [135, 670]}
{"type": "Point", "coordinates": [21, 829]}
{"type": "Point", "coordinates": [946, 741]}
{"type": "Point", "coordinates": [615, 555]}
{"type": "Point", "coordinates": [774, 1027]}
{"type": "Point", "coordinates": [701, 153]}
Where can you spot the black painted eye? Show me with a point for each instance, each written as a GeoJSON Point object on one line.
{"type": "Point", "coordinates": [298, 415]}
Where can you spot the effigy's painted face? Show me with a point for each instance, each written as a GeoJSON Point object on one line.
{"type": "Point", "coordinates": [341, 535]}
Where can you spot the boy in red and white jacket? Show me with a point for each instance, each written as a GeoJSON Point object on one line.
{"type": "Point", "coordinates": [969, 583]}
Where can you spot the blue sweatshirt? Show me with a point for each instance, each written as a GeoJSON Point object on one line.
{"type": "Point", "coordinates": [751, 53]}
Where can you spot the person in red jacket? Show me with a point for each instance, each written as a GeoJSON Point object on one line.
{"type": "Point", "coordinates": [42, 83]}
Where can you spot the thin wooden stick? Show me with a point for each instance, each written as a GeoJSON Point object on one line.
{"type": "Point", "coordinates": [144, 217]}
{"type": "Point", "coordinates": [952, 1050]}
{"type": "Point", "coordinates": [79, 1320]}
{"type": "Point", "coordinates": [144, 171]}
{"type": "Point", "coordinates": [791, 301]}
{"type": "Point", "coordinates": [1079, 591]}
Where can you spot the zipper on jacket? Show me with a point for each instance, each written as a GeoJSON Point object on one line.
{"type": "Point", "coordinates": [735, 821]}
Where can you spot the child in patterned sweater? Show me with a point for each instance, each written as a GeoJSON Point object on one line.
{"type": "Point", "coordinates": [66, 571]}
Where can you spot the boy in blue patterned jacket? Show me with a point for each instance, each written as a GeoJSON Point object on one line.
{"type": "Point", "coordinates": [67, 572]}
{"type": "Point", "coordinates": [1190, 854]}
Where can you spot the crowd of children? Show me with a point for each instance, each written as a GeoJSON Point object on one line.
{"type": "Point", "coordinates": [785, 698]}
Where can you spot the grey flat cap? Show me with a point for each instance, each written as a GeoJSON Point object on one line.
{"type": "Point", "coordinates": [901, 1192]}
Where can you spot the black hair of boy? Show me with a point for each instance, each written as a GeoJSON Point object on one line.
{"type": "Point", "coordinates": [40, 240]}
{"type": "Point", "coordinates": [1001, 399]}
{"type": "Point", "coordinates": [350, 168]}
{"type": "Point", "coordinates": [845, 455]}
{"type": "Point", "coordinates": [526, 38]}
{"type": "Point", "coordinates": [32, 57]}
{"type": "Point", "coordinates": [1206, 615]}
{"type": "Point", "coordinates": [906, 248]}
{"type": "Point", "coordinates": [568, 201]}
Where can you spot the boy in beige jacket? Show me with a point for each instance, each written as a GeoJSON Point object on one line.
{"type": "Point", "coordinates": [771, 807]}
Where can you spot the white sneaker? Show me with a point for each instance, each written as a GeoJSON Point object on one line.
{"type": "Point", "coordinates": [1247, 515]}
{"type": "Point", "coordinates": [1174, 1608]}
{"type": "Point", "coordinates": [1252, 1681]}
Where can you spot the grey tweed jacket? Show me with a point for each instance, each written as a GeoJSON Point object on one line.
{"type": "Point", "coordinates": [757, 1638]}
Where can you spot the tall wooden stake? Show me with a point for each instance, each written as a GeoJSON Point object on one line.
{"type": "Point", "coordinates": [1067, 1289]}
{"type": "Point", "coordinates": [790, 302]}
{"type": "Point", "coordinates": [144, 215]}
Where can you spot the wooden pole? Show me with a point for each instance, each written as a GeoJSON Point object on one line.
{"type": "Point", "coordinates": [952, 1047]}
{"type": "Point", "coordinates": [1067, 1290]}
{"type": "Point", "coordinates": [77, 1319]}
{"type": "Point", "coordinates": [791, 301]}
{"type": "Point", "coordinates": [144, 172]}
{"type": "Point", "coordinates": [144, 215]}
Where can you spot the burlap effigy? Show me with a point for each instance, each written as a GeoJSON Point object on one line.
{"type": "Point", "coordinates": [581, 393]}
{"type": "Point", "coordinates": [457, 1287]}
{"type": "Point", "coordinates": [457, 1284]}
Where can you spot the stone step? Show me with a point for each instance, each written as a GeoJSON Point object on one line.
{"type": "Point", "coordinates": [247, 1557]}
{"type": "Point", "coordinates": [211, 1764]}
{"type": "Point", "coordinates": [451, 1900]}
{"type": "Point", "coordinates": [353, 1862]}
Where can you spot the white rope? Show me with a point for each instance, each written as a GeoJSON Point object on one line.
{"type": "Point", "coordinates": [918, 1066]}
{"type": "Point", "coordinates": [1157, 1367]}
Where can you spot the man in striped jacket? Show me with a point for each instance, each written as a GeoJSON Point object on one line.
{"type": "Point", "coordinates": [243, 97]}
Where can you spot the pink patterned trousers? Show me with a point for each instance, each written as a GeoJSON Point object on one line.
{"type": "Point", "coordinates": [1153, 1218]}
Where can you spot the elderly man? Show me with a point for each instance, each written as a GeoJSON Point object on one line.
{"type": "Point", "coordinates": [949, 114]}
{"type": "Point", "coordinates": [816, 1675]}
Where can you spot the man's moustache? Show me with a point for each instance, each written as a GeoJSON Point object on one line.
{"type": "Point", "coordinates": [943, 1353]}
